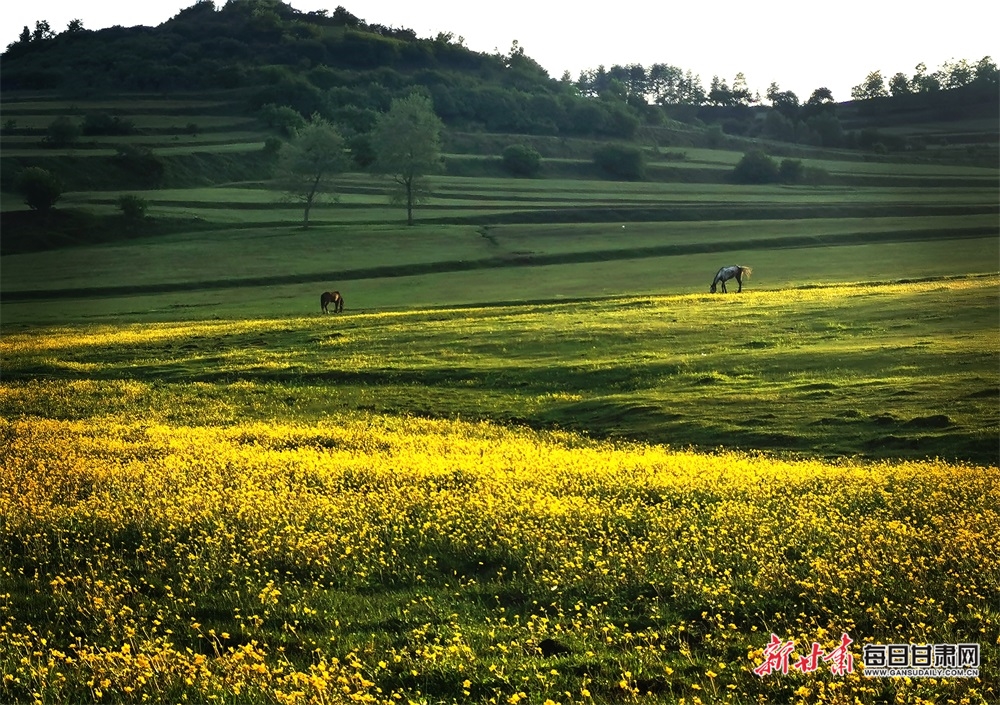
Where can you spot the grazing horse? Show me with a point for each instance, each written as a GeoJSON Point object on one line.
{"type": "Point", "coordinates": [726, 273]}
{"type": "Point", "coordinates": [334, 298]}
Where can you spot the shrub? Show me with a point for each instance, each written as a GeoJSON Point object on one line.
{"type": "Point", "coordinates": [132, 207]}
{"type": "Point", "coordinates": [61, 132]}
{"type": "Point", "coordinates": [816, 175]}
{"type": "Point", "coordinates": [714, 136]}
{"type": "Point", "coordinates": [281, 118]}
{"type": "Point", "coordinates": [521, 160]}
{"type": "Point", "coordinates": [755, 168]}
{"type": "Point", "coordinates": [621, 161]}
{"type": "Point", "coordinates": [790, 171]}
{"type": "Point", "coordinates": [40, 188]}
{"type": "Point", "coordinates": [355, 119]}
{"type": "Point", "coordinates": [362, 151]}
{"type": "Point", "coordinates": [104, 124]}
{"type": "Point", "coordinates": [272, 146]}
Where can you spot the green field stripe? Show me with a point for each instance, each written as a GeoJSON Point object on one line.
{"type": "Point", "coordinates": [527, 260]}
{"type": "Point", "coordinates": [715, 211]}
{"type": "Point", "coordinates": [526, 212]}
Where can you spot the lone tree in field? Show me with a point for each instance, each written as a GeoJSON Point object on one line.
{"type": "Point", "coordinates": [407, 145]}
{"type": "Point", "coordinates": [40, 188]}
{"type": "Point", "coordinates": [317, 152]}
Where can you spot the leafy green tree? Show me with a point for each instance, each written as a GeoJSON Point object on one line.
{"type": "Point", "coordinates": [778, 127]}
{"type": "Point", "coordinates": [621, 161]}
{"type": "Point", "coordinates": [872, 87]}
{"type": "Point", "coordinates": [691, 91]}
{"type": "Point", "coordinates": [39, 187]}
{"type": "Point", "coordinates": [586, 117]}
{"type": "Point", "coordinates": [828, 129]}
{"type": "Point", "coordinates": [719, 93]}
{"type": "Point", "coordinates": [821, 96]}
{"type": "Point", "coordinates": [521, 160]}
{"type": "Point", "coordinates": [361, 149]}
{"type": "Point", "coordinates": [292, 90]}
{"type": "Point", "coordinates": [790, 171]}
{"type": "Point", "coordinates": [638, 83]}
{"type": "Point", "coordinates": [958, 73]}
{"type": "Point", "coordinates": [664, 83]}
{"type": "Point", "coordinates": [755, 168]}
{"type": "Point", "coordinates": [545, 114]}
{"type": "Point", "coordinates": [714, 136]}
{"type": "Point", "coordinates": [899, 85]}
{"type": "Point", "coordinates": [62, 132]}
{"type": "Point", "coordinates": [785, 102]}
{"type": "Point", "coordinates": [42, 31]}
{"type": "Point", "coordinates": [407, 145]}
{"type": "Point", "coordinates": [923, 82]}
{"type": "Point", "coordinates": [316, 153]}
{"type": "Point", "coordinates": [987, 72]}
{"type": "Point", "coordinates": [281, 118]}
{"type": "Point", "coordinates": [741, 91]}
{"type": "Point", "coordinates": [620, 120]}
{"type": "Point", "coordinates": [272, 147]}
{"type": "Point", "coordinates": [821, 101]}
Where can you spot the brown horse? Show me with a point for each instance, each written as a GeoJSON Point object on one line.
{"type": "Point", "coordinates": [334, 298]}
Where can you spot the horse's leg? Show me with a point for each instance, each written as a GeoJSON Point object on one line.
{"type": "Point", "coordinates": [739, 280]}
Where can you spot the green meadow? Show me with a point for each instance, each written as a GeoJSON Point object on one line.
{"type": "Point", "coordinates": [760, 370]}
{"type": "Point", "coordinates": [533, 460]}
{"type": "Point", "coordinates": [875, 370]}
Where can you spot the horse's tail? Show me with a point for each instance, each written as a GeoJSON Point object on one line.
{"type": "Point", "coordinates": [745, 271]}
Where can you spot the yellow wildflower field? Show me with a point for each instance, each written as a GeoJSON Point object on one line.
{"type": "Point", "coordinates": [381, 558]}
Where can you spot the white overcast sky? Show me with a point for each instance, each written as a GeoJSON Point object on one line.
{"type": "Point", "coordinates": [798, 44]}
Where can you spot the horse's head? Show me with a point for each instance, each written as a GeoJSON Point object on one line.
{"type": "Point", "coordinates": [711, 289]}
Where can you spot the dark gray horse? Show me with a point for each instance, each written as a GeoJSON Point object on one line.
{"type": "Point", "coordinates": [736, 272]}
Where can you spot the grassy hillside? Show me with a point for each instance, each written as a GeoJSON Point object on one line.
{"type": "Point", "coordinates": [534, 460]}
{"type": "Point", "coordinates": [265, 510]}
{"type": "Point", "coordinates": [232, 249]}
{"type": "Point", "coordinates": [235, 250]}
{"type": "Point", "coordinates": [222, 195]}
